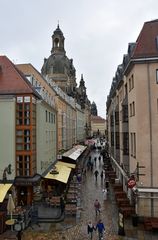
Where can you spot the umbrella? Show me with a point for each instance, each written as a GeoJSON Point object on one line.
{"type": "Point", "coordinates": [10, 205]}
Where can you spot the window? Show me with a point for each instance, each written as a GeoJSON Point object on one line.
{"type": "Point", "coordinates": [49, 117]}
{"type": "Point", "coordinates": [117, 118]}
{"type": "Point", "coordinates": [133, 144]}
{"type": "Point", "coordinates": [112, 138]}
{"type": "Point", "coordinates": [117, 140]}
{"type": "Point", "coordinates": [111, 120]}
{"type": "Point", "coordinates": [132, 109]}
{"type": "Point", "coordinates": [23, 165]}
{"type": "Point", "coordinates": [125, 143]}
{"type": "Point", "coordinates": [125, 113]}
{"type": "Point", "coordinates": [120, 95]}
{"type": "Point", "coordinates": [46, 116]}
{"type": "Point", "coordinates": [125, 89]}
{"type": "Point", "coordinates": [157, 76]}
{"type": "Point", "coordinates": [131, 83]}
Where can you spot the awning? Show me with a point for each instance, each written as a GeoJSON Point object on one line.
{"type": "Point", "coordinates": [27, 181]}
{"type": "Point", "coordinates": [3, 190]}
{"type": "Point", "coordinates": [75, 152]}
{"type": "Point", "coordinates": [62, 175]}
{"type": "Point", "coordinates": [70, 165]}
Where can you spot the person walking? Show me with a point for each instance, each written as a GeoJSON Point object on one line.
{"type": "Point", "coordinates": [97, 207]}
{"type": "Point", "coordinates": [62, 204]}
{"type": "Point", "coordinates": [104, 194]}
{"type": "Point", "coordinates": [101, 175]}
{"type": "Point", "coordinates": [100, 227]}
{"type": "Point", "coordinates": [90, 229]}
{"type": "Point", "coordinates": [96, 174]}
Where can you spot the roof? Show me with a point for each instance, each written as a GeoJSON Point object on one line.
{"type": "Point", "coordinates": [147, 41]}
{"type": "Point", "coordinates": [97, 119]}
{"type": "Point", "coordinates": [13, 81]}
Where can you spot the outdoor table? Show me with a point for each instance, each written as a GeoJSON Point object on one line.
{"type": "Point", "coordinates": [10, 222]}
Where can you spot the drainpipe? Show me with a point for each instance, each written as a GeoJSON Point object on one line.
{"type": "Point", "coordinates": [150, 133]}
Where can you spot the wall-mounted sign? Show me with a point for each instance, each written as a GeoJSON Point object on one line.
{"type": "Point", "coordinates": [131, 183]}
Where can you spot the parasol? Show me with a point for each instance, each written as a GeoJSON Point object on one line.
{"type": "Point", "coordinates": [10, 206]}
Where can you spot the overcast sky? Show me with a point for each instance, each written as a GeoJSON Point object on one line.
{"type": "Point", "coordinates": [97, 33]}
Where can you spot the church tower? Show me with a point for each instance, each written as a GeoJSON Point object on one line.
{"type": "Point", "coordinates": [58, 42]}
{"type": "Point", "coordinates": [58, 67]}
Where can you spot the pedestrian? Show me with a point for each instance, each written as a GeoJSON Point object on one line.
{"type": "Point", "coordinates": [91, 166]}
{"type": "Point", "coordinates": [101, 229]}
{"type": "Point", "coordinates": [96, 174]}
{"type": "Point", "coordinates": [90, 229]}
{"type": "Point", "coordinates": [107, 185]}
{"type": "Point", "coordinates": [97, 207]}
{"type": "Point", "coordinates": [62, 204]}
{"type": "Point", "coordinates": [18, 235]}
{"type": "Point", "coordinates": [101, 175]}
{"type": "Point", "coordinates": [84, 172]}
{"type": "Point", "coordinates": [104, 194]}
{"type": "Point", "coordinates": [79, 177]}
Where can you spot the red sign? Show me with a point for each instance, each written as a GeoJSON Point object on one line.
{"type": "Point", "coordinates": [131, 183]}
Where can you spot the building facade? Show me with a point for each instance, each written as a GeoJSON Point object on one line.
{"type": "Point", "coordinates": [98, 126]}
{"type": "Point", "coordinates": [132, 110]}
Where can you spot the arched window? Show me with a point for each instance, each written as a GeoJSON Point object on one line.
{"type": "Point", "coordinates": [56, 42]}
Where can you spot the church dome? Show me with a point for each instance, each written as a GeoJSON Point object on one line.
{"type": "Point", "coordinates": [58, 64]}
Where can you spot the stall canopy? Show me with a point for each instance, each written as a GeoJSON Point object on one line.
{"type": "Point", "coordinates": [3, 190]}
{"type": "Point", "coordinates": [62, 173]}
{"type": "Point", "coordinates": [74, 153]}
{"type": "Point", "coordinates": [70, 165]}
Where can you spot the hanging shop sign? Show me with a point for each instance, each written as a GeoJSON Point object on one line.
{"type": "Point", "coordinates": [131, 183]}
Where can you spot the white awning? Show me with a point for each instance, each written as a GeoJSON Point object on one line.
{"type": "Point", "coordinates": [75, 152]}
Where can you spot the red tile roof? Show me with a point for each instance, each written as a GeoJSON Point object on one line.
{"type": "Point", "coordinates": [12, 81]}
{"type": "Point", "coordinates": [146, 42]}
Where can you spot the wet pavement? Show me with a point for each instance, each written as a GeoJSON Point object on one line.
{"type": "Point", "coordinates": [75, 227]}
